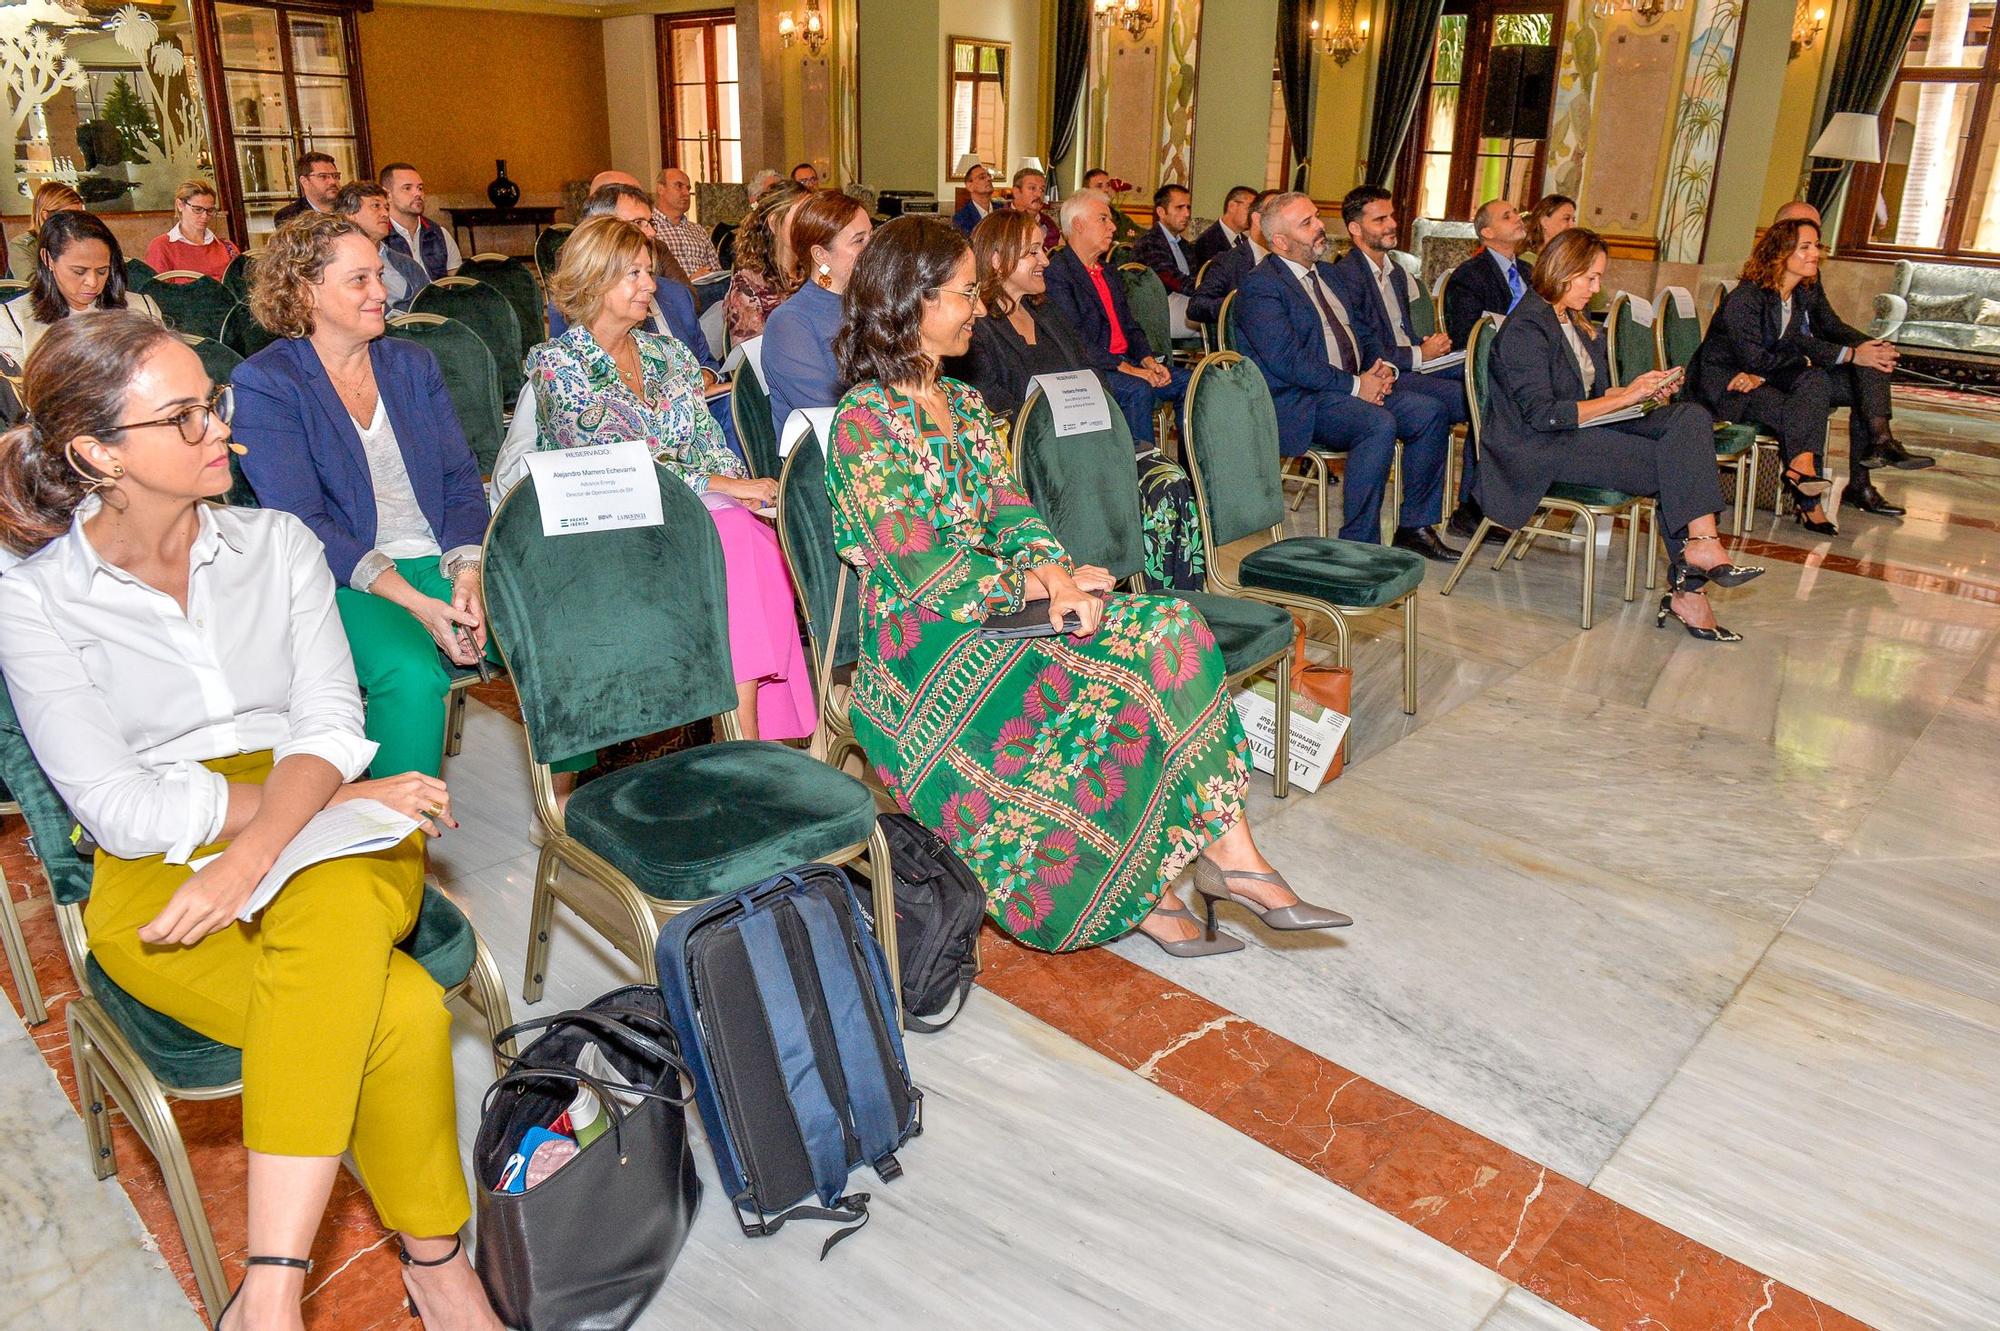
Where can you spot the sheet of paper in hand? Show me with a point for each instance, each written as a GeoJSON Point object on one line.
{"type": "Point", "coordinates": [1077, 401]}
{"type": "Point", "coordinates": [354, 828]}
{"type": "Point", "coordinates": [1444, 362]}
{"type": "Point", "coordinates": [600, 488]}
{"type": "Point", "coordinates": [817, 419]}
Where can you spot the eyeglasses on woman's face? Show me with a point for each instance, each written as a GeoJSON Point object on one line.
{"type": "Point", "coordinates": [193, 420]}
{"type": "Point", "coordinates": [967, 293]}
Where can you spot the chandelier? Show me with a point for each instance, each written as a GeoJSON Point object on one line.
{"type": "Point", "coordinates": [1645, 12]}
{"type": "Point", "coordinates": [1135, 16]}
{"type": "Point", "coordinates": [809, 29]}
{"type": "Point", "coordinates": [1341, 38]}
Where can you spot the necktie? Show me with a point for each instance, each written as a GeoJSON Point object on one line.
{"type": "Point", "coordinates": [1241, 241]}
{"type": "Point", "coordinates": [1514, 288]}
{"type": "Point", "coordinates": [1346, 356]}
{"type": "Point", "coordinates": [1390, 305]}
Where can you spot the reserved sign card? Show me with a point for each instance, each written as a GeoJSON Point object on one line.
{"type": "Point", "coordinates": [600, 488]}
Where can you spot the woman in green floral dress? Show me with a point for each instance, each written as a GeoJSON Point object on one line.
{"type": "Point", "coordinates": [1077, 774]}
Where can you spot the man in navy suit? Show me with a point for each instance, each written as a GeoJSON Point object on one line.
{"type": "Point", "coordinates": [1229, 229]}
{"type": "Point", "coordinates": [979, 186]}
{"type": "Point", "coordinates": [1493, 279]}
{"type": "Point", "coordinates": [1091, 295]}
{"type": "Point", "coordinates": [1221, 275]}
{"type": "Point", "coordinates": [1291, 322]}
{"type": "Point", "coordinates": [1163, 248]}
{"type": "Point", "coordinates": [1376, 291]}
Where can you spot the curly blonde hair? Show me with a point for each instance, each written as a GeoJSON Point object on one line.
{"type": "Point", "coordinates": [594, 257]}
{"type": "Point", "coordinates": [294, 260]}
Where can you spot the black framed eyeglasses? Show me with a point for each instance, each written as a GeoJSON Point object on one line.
{"type": "Point", "coordinates": [192, 421]}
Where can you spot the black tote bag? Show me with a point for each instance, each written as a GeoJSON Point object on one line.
{"type": "Point", "coordinates": [588, 1247]}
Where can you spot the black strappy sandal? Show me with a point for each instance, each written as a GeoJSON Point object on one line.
{"type": "Point", "coordinates": [296, 1263]}
{"type": "Point", "coordinates": [1806, 492]}
{"type": "Point", "coordinates": [1685, 577]}
{"type": "Point", "coordinates": [1716, 634]}
{"type": "Point", "coordinates": [403, 1256]}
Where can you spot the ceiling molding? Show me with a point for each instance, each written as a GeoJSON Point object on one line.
{"type": "Point", "coordinates": [559, 8]}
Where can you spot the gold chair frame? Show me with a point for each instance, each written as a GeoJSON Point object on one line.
{"type": "Point", "coordinates": [1223, 584]}
{"type": "Point", "coordinates": [15, 944]}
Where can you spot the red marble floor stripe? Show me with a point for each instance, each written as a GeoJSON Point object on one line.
{"type": "Point", "coordinates": [1596, 1259]}
{"type": "Point", "coordinates": [1898, 575]}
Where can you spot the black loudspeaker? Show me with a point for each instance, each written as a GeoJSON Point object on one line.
{"type": "Point", "coordinates": [1520, 85]}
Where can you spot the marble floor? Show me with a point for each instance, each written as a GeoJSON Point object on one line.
{"type": "Point", "coordinates": [1673, 1001]}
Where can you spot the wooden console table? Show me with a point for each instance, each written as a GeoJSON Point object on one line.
{"type": "Point", "coordinates": [469, 220]}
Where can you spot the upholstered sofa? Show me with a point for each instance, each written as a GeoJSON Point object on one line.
{"type": "Point", "coordinates": [1941, 305]}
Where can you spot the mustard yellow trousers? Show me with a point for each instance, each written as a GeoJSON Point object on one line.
{"type": "Point", "coordinates": [346, 1040]}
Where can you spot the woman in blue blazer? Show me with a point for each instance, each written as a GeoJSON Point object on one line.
{"type": "Point", "coordinates": [354, 433]}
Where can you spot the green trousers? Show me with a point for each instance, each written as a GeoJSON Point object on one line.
{"type": "Point", "coordinates": [404, 675]}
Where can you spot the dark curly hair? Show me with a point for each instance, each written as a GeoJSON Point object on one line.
{"type": "Point", "coordinates": [59, 232]}
{"type": "Point", "coordinates": [893, 280]}
{"type": "Point", "coordinates": [1766, 265]}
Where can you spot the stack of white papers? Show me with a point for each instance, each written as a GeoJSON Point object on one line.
{"type": "Point", "coordinates": [357, 827]}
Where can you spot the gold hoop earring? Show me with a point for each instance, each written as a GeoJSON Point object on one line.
{"type": "Point", "coordinates": [92, 484]}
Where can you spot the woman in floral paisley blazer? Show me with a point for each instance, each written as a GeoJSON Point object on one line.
{"type": "Point", "coordinates": [1077, 774]}
{"type": "Point", "coordinates": [604, 381]}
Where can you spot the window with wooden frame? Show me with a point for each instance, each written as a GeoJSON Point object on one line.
{"type": "Point", "coordinates": [286, 80]}
{"type": "Point", "coordinates": [979, 71]}
{"type": "Point", "coordinates": [1936, 192]}
{"type": "Point", "coordinates": [701, 124]}
{"type": "Point", "coordinates": [1481, 126]}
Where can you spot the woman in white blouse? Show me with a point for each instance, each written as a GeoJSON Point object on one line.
{"type": "Point", "coordinates": [181, 674]}
{"type": "Point", "coordinates": [78, 267]}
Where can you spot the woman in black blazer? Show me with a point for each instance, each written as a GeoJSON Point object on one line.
{"type": "Point", "coordinates": [1548, 379]}
{"type": "Point", "coordinates": [1763, 362]}
{"type": "Point", "coordinates": [1019, 337]}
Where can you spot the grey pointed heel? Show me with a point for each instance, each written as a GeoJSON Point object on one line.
{"type": "Point", "coordinates": [1212, 881]}
{"type": "Point", "coordinates": [1209, 944]}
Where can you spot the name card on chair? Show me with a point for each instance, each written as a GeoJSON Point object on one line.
{"type": "Point", "coordinates": [751, 351]}
{"type": "Point", "coordinates": [1077, 401]}
{"type": "Point", "coordinates": [601, 488]}
{"type": "Point", "coordinates": [817, 419]}
{"type": "Point", "coordinates": [1641, 310]}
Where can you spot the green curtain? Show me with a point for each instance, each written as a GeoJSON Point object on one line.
{"type": "Point", "coordinates": [1878, 33]}
{"type": "Point", "coordinates": [1295, 71]}
{"type": "Point", "coordinates": [1409, 32]}
{"type": "Point", "coordinates": [1072, 61]}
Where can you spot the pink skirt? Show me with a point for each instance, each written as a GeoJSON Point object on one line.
{"type": "Point", "coordinates": [764, 644]}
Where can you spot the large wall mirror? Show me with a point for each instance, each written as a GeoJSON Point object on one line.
{"type": "Point", "coordinates": [979, 72]}
{"type": "Point", "coordinates": [104, 97]}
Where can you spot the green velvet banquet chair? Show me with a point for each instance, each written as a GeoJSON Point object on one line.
{"type": "Point", "coordinates": [138, 272]}
{"type": "Point", "coordinates": [1739, 446]}
{"type": "Point", "coordinates": [1233, 458]}
{"type": "Point", "coordinates": [220, 363]}
{"type": "Point", "coordinates": [469, 377]}
{"type": "Point", "coordinates": [128, 1055]}
{"type": "Point", "coordinates": [1424, 316]}
{"type": "Point", "coordinates": [13, 941]}
{"type": "Point", "coordinates": [604, 649]}
{"type": "Point", "coordinates": [487, 312]}
{"type": "Point", "coordinates": [515, 279]}
{"type": "Point", "coordinates": [1585, 504]}
{"type": "Point", "coordinates": [828, 590]}
{"type": "Point", "coordinates": [236, 277]}
{"type": "Point", "coordinates": [11, 287]}
{"type": "Point", "coordinates": [1147, 295]}
{"type": "Point", "coordinates": [242, 334]}
{"type": "Point", "coordinates": [190, 302]}
{"type": "Point", "coordinates": [548, 246]}
{"type": "Point", "coordinates": [1086, 488]}
{"type": "Point", "coordinates": [750, 409]}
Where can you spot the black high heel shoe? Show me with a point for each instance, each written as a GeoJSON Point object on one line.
{"type": "Point", "coordinates": [403, 1256]}
{"type": "Point", "coordinates": [1686, 577]}
{"type": "Point", "coordinates": [296, 1263]}
{"type": "Point", "coordinates": [1716, 634]}
{"type": "Point", "coordinates": [1805, 493]}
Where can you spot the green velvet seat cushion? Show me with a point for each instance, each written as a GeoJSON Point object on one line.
{"type": "Point", "coordinates": [1246, 632]}
{"type": "Point", "coordinates": [443, 944]}
{"type": "Point", "coordinates": [719, 817]}
{"type": "Point", "coordinates": [1593, 496]}
{"type": "Point", "coordinates": [1734, 437]}
{"type": "Point", "coordinates": [1343, 572]}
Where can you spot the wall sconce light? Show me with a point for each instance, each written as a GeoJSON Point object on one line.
{"type": "Point", "coordinates": [1135, 16]}
{"type": "Point", "coordinates": [1806, 29]}
{"type": "Point", "coordinates": [1645, 12]}
{"type": "Point", "coordinates": [809, 29]}
{"type": "Point", "coordinates": [1342, 38]}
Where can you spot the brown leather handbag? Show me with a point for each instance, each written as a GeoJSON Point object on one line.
{"type": "Point", "coordinates": [1329, 686]}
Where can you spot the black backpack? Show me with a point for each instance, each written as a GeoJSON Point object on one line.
{"type": "Point", "coordinates": [939, 905]}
